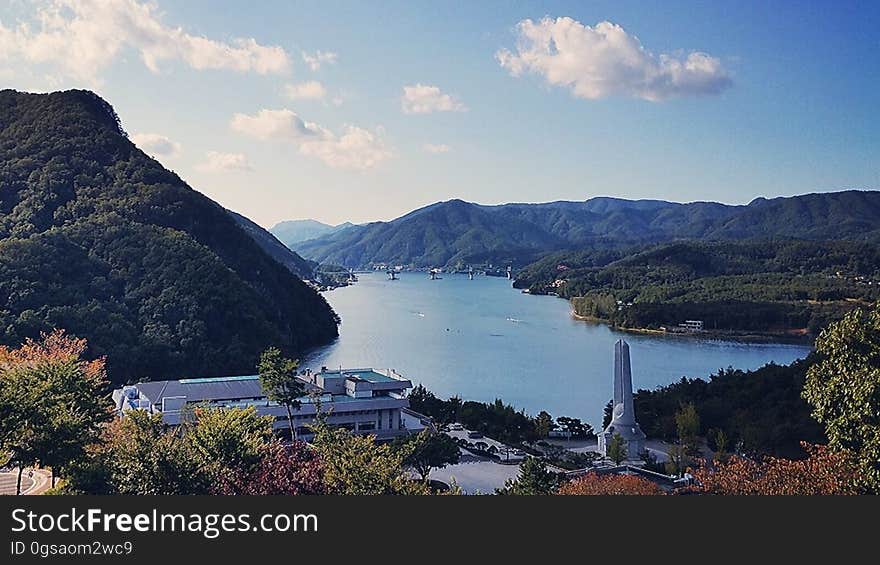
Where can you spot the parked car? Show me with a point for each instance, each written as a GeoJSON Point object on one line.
{"type": "Point", "coordinates": [475, 435]}
{"type": "Point", "coordinates": [456, 427]}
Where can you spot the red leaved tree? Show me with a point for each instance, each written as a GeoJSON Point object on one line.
{"type": "Point", "coordinates": [594, 485]}
{"type": "Point", "coordinates": [823, 472]}
{"type": "Point", "coordinates": [293, 469]}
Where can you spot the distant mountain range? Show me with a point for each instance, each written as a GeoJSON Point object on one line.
{"type": "Point", "coordinates": [99, 239]}
{"type": "Point", "coordinates": [456, 233]}
{"type": "Point", "coordinates": [293, 232]}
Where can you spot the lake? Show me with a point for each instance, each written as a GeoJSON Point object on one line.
{"type": "Point", "coordinates": [482, 339]}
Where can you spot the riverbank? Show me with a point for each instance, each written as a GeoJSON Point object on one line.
{"type": "Point", "coordinates": [803, 338]}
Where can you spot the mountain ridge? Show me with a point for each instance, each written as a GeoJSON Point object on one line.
{"type": "Point", "coordinates": [293, 232]}
{"type": "Point", "coordinates": [455, 232]}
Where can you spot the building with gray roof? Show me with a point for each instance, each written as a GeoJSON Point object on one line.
{"type": "Point", "coordinates": [364, 400]}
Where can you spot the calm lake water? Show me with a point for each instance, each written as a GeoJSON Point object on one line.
{"type": "Point", "coordinates": [483, 339]}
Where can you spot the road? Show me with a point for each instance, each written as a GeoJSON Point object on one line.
{"type": "Point", "coordinates": [39, 482]}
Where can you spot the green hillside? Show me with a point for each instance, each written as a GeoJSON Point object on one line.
{"type": "Point", "coordinates": [776, 286]}
{"type": "Point", "coordinates": [100, 239]}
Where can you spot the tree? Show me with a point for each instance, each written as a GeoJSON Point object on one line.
{"type": "Point", "coordinates": [544, 424]}
{"type": "Point", "coordinates": [51, 401]}
{"type": "Point", "coordinates": [617, 449]}
{"type": "Point", "coordinates": [843, 389]}
{"type": "Point", "coordinates": [280, 383]}
{"type": "Point", "coordinates": [720, 440]}
{"type": "Point", "coordinates": [573, 427]}
{"type": "Point", "coordinates": [533, 479]}
{"type": "Point", "coordinates": [824, 472]}
{"type": "Point", "coordinates": [356, 464]}
{"type": "Point", "coordinates": [687, 422]}
{"type": "Point", "coordinates": [227, 441]}
{"type": "Point", "coordinates": [603, 485]}
{"type": "Point", "coordinates": [282, 470]}
{"type": "Point", "coordinates": [139, 455]}
{"type": "Point", "coordinates": [429, 450]}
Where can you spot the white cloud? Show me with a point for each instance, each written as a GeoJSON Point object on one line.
{"type": "Point", "coordinates": [79, 38]}
{"type": "Point", "coordinates": [436, 148]}
{"type": "Point", "coordinates": [309, 90]}
{"type": "Point", "coordinates": [604, 60]}
{"type": "Point", "coordinates": [216, 162]}
{"type": "Point", "coordinates": [314, 61]}
{"type": "Point", "coordinates": [424, 99]}
{"type": "Point", "coordinates": [156, 144]}
{"type": "Point", "coordinates": [355, 149]}
{"type": "Point", "coordinates": [274, 124]}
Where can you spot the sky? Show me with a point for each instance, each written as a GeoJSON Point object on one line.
{"type": "Point", "coordinates": [362, 111]}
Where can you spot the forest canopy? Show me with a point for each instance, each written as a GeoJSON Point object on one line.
{"type": "Point", "coordinates": [101, 240]}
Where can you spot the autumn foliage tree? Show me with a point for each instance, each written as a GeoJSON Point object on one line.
{"type": "Point", "coordinates": [600, 485]}
{"type": "Point", "coordinates": [283, 470]}
{"type": "Point", "coordinates": [52, 402]}
{"type": "Point", "coordinates": [823, 472]}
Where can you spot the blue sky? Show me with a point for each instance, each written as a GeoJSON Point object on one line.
{"type": "Point", "coordinates": [675, 100]}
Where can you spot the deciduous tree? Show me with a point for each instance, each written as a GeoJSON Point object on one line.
{"type": "Point", "coordinates": [823, 472]}
{"type": "Point", "coordinates": [429, 450]}
{"type": "Point", "coordinates": [602, 485]}
{"type": "Point", "coordinates": [280, 383]}
{"type": "Point", "coordinates": [844, 389]}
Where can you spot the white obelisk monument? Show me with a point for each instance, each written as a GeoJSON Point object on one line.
{"type": "Point", "coordinates": [623, 415]}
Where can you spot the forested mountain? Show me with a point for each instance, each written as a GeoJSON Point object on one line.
{"type": "Point", "coordinates": [99, 239]}
{"type": "Point", "coordinates": [457, 233]}
{"type": "Point", "coordinates": [293, 232]}
{"type": "Point", "coordinates": [769, 286]}
{"type": "Point", "coordinates": [275, 248]}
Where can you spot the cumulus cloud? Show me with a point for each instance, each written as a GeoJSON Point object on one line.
{"type": "Point", "coordinates": [438, 148]}
{"type": "Point", "coordinates": [156, 144]}
{"type": "Point", "coordinates": [318, 58]}
{"type": "Point", "coordinates": [216, 162]}
{"type": "Point", "coordinates": [425, 99]}
{"type": "Point", "coordinates": [309, 90]}
{"type": "Point", "coordinates": [604, 60]}
{"type": "Point", "coordinates": [274, 124]}
{"type": "Point", "coordinates": [354, 149]}
{"type": "Point", "coordinates": [79, 38]}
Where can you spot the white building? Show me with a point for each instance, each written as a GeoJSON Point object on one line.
{"type": "Point", "coordinates": [366, 401]}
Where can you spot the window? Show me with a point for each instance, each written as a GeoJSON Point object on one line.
{"type": "Point", "coordinates": [364, 426]}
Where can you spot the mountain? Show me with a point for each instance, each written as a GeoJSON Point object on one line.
{"type": "Point", "coordinates": [101, 240]}
{"type": "Point", "coordinates": [456, 233]}
{"type": "Point", "coordinates": [293, 232]}
{"type": "Point", "coordinates": [277, 250]}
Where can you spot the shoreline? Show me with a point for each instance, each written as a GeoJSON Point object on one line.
{"type": "Point", "coordinates": [744, 337]}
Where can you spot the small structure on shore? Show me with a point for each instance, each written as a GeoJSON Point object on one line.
{"type": "Point", "coordinates": [623, 415]}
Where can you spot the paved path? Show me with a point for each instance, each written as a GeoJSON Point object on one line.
{"type": "Point", "coordinates": [476, 475]}
{"type": "Point", "coordinates": [39, 482]}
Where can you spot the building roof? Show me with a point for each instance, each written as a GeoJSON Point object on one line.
{"type": "Point", "coordinates": [369, 375]}
{"type": "Point", "coordinates": [206, 389]}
